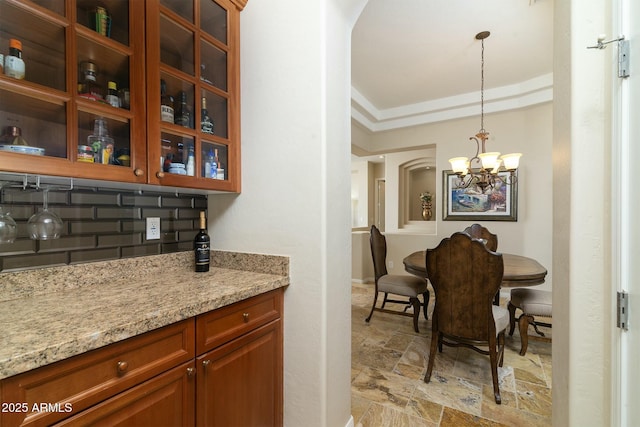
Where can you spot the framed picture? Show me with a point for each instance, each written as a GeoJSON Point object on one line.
{"type": "Point", "coordinates": [471, 204]}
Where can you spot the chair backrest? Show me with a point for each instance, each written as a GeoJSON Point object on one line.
{"type": "Point", "coordinates": [477, 231]}
{"type": "Point", "coordinates": [378, 252]}
{"type": "Point", "coordinates": [466, 277]}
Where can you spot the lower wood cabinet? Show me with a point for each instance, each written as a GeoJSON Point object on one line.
{"type": "Point", "coordinates": [222, 368]}
{"type": "Point", "coordinates": [237, 382]}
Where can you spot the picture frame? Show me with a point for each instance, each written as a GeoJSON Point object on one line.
{"type": "Point", "coordinates": [470, 204]}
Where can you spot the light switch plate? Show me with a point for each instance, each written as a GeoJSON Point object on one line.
{"type": "Point", "coordinates": [153, 228]}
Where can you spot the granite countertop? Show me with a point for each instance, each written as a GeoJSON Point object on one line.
{"type": "Point", "coordinates": [51, 314]}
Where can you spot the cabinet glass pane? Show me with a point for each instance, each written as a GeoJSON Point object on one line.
{"type": "Point", "coordinates": [217, 108]}
{"type": "Point", "coordinates": [119, 130]}
{"type": "Point", "coordinates": [56, 6]}
{"type": "Point", "coordinates": [213, 69]}
{"type": "Point", "coordinates": [107, 17]}
{"type": "Point", "coordinates": [109, 65]}
{"type": "Point", "coordinates": [42, 124]}
{"type": "Point", "coordinates": [215, 160]}
{"type": "Point", "coordinates": [213, 19]}
{"type": "Point", "coordinates": [183, 8]}
{"type": "Point", "coordinates": [175, 153]}
{"type": "Point", "coordinates": [176, 46]}
{"type": "Point", "coordinates": [174, 88]}
{"type": "Point", "coordinates": [43, 49]}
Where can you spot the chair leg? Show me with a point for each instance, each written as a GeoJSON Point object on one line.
{"type": "Point", "coordinates": [501, 349]}
{"type": "Point", "coordinates": [523, 323]}
{"type": "Point", "coordinates": [512, 317]}
{"type": "Point", "coordinates": [493, 357]}
{"type": "Point", "coordinates": [384, 301]}
{"type": "Point", "coordinates": [426, 296]}
{"type": "Point", "coordinates": [432, 355]}
{"type": "Point", "coordinates": [373, 307]}
{"type": "Point", "coordinates": [415, 302]}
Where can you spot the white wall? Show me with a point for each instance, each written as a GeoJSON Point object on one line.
{"type": "Point", "coordinates": [582, 297]}
{"type": "Point", "coordinates": [295, 68]}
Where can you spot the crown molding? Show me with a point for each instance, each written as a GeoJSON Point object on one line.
{"type": "Point", "coordinates": [538, 90]}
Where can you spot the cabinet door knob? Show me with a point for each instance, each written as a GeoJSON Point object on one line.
{"type": "Point", "coordinates": [245, 316]}
{"type": "Point", "coordinates": [206, 363]}
{"type": "Point", "coordinates": [191, 372]}
{"type": "Point", "coordinates": [138, 172]}
{"type": "Point", "coordinates": [160, 174]}
{"type": "Point", "coordinates": [122, 366]}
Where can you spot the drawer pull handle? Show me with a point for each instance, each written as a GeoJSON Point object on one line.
{"type": "Point", "coordinates": [205, 363]}
{"type": "Point", "coordinates": [190, 372]}
{"type": "Point", "coordinates": [245, 316]}
{"type": "Point", "coordinates": [122, 367]}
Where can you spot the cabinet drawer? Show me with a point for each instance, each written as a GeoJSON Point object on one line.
{"type": "Point", "coordinates": [165, 400]}
{"type": "Point", "coordinates": [223, 325]}
{"type": "Point", "coordinates": [84, 380]}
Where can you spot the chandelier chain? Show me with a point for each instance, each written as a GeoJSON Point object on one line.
{"type": "Point", "coordinates": [482, 88]}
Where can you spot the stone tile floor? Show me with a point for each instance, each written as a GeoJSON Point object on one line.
{"type": "Point", "coordinates": [389, 361]}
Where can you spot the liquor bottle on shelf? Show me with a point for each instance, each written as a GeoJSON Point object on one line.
{"type": "Point", "coordinates": [214, 164]}
{"type": "Point", "coordinates": [219, 169]}
{"type": "Point", "coordinates": [89, 87]}
{"type": "Point", "coordinates": [211, 165]}
{"type": "Point", "coordinates": [13, 63]}
{"type": "Point", "coordinates": [206, 167]}
{"type": "Point", "coordinates": [201, 246]}
{"type": "Point", "coordinates": [166, 103]}
{"type": "Point", "coordinates": [101, 142]}
{"type": "Point", "coordinates": [191, 162]}
{"type": "Point", "coordinates": [206, 124]}
{"type": "Point", "coordinates": [183, 112]}
{"type": "Point", "coordinates": [112, 95]}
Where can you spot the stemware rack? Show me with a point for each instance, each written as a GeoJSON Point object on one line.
{"type": "Point", "coordinates": [34, 182]}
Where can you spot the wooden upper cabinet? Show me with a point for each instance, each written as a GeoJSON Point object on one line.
{"type": "Point", "coordinates": [47, 105]}
{"type": "Point", "coordinates": [192, 45]}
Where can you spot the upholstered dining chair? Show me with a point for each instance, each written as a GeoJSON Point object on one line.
{"type": "Point", "coordinates": [403, 285]}
{"type": "Point", "coordinates": [465, 276]}
{"type": "Point", "coordinates": [477, 231]}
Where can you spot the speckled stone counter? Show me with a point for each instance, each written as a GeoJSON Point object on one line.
{"type": "Point", "coordinates": [54, 313]}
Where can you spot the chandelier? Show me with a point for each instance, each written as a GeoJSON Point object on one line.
{"type": "Point", "coordinates": [488, 164]}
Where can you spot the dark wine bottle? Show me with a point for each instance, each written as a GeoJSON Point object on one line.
{"type": "Point", "coordinates": [201, 245]}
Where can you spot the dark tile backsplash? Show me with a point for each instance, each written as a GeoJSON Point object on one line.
{"type": "Point", "coordinates": [99, 224]}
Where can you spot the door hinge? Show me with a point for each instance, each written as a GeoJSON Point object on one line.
{"type": "Point", "coordinates": [623, 310]}
{"type": "Point", "coordinates": [623, 59]}
{"type": "Point", "coordinates": [623, 53]}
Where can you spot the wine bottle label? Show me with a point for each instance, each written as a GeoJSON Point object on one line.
{"type": "Point", "coordinates": [206, 127]}
{"type": "Point", "coordinates": [14, 67]}
{"type": "Point", "coordinates": [202, 253]}
{"type": "Point", "coordinates": [183, 120]}
{"type": "Point", "coordinates": [166, 113]}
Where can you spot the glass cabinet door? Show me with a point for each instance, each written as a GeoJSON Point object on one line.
{"type": "Point", "coordinates": [188, 68]}
{"type": "Point", "coordinates": [76, 72]}
{"type": "Point", "coordinates": [33, 107]}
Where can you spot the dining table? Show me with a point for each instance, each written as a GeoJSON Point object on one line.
{"type": "Point", "coordinates": [519, 271]}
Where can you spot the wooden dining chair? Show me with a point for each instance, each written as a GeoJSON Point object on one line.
{"type": "Point", "coordinates": [478, 231]}
{"type": "Point", "coordinates": [465, 276]}
{"type": "Point", "coordinates": [408, 286]}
